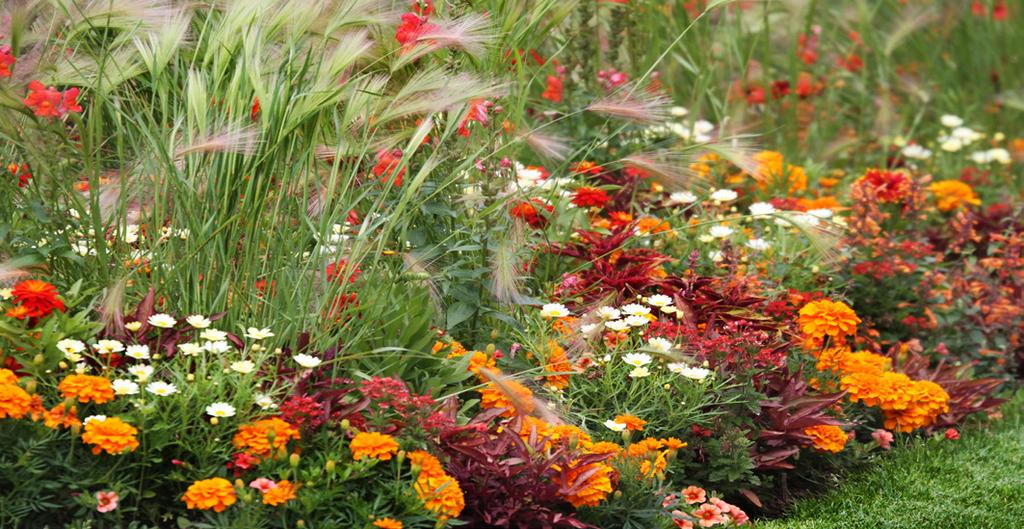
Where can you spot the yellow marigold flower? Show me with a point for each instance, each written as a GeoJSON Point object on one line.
{"type": "Point", "coordinates": [428, 464]}
{"type": "Point", "coordinates": [604, 447]}
{"type": "Point", "coordinates": [507, 394]}
{"type": "Point", "coordinates": [374, 445]}
{"type": "Point", "coordinates": [440, 495]}
{"type": "Point", "coordinates": [282, 493]}
{"type": "Point", "coordinates": [953, 194]}
{"type": "Point", "coordinates": [558, 362]}
{"type": "Point", "coordinates": [214, 493]}
{"type": "Point", "coordinates": [632, 422]}
{"type": "Point", "coordinates": [926, 400]}
{"type": "Point", "coordinates": [773, 171]}
{"type": "Point", "coordinates": [111, 435]}
{"type": "Point", "coordinates": [822, 318]}
{"type": "Point", "coordinates": [8, 377]}
{"type": "Point", "coordinates": [594, 489]}
{"type": "Point", "coordinates": [61, 416]}
{"type": "Point", "coordinates": [254, 438]}
{"type": "Point", "coordinates": [14, 401]}
{"type": "Point", "coordinates": [652, 466]}
{"type": "Point", "coordinates": [827, 438]}
{"type": "Point", "coordinates": [568, 432]}
{"type": "Point", "coordinates": [87, 388]}
{"type": "Point", "coordinates": [842, 360]}
{"type": "Point", "coordinates": [387, 523]}
{"type": "Point", "coordinates": [673, 443]}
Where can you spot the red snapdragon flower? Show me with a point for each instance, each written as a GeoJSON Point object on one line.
{"type": "Point", "coordinates": [586, 197]}
{"type": "Point", "coordinates": [50, 102]}
{"type": "Point", "coordinates": [7, 60]}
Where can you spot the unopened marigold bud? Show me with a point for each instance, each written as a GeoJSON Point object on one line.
{"type": "Point", "coordinates": [293, 460]}
{"type": "Point", "coordinates": [239, 484]}
{"type": "Point", "coordinates": [214, 421]}
{"type": "Point", "coordinates": [30, 385]}
{"type": "Point", "coordinates": [329, 466]}
{"type": "Point", "coordinates": [38, 359]}
{"type": "Point", "coordinates": [491, 348]}
{"type": "Point", "coordinates": [345, 425]}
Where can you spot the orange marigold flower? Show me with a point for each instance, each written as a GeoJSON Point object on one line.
{"type": "Point", "coordinates": [387, 523]}
{"type": "Point", "coordinates": [507, 394]}
{"type": "Point", "coordinates": [772, 171]}
{"type": "Point", "coordinates": [214, 493]}
{"type": "Point", "coordinates": [426, 464]}
{"type": "Point", "coordinates": [39, 297]}
{"type": "Point", "coordinates": [822, 318]}
{"type": "Point", "coordinates": [567, 433]}
{"type": "Point", "coordinates": [61, 416]}
{"type": "Point", "coordinates": [440, 495]}
{"type": "Point", "coordinates": [282, 493]}
{"type": "Point", "coordinates": [827, 438]}
{"type": "Point", "coordinates": [673, 443]}
{"type": "Point", "coordinates": [632, 422]}
{"type": "Point", "coordinates": [373, 445]}
{"type": "Point", "coordinates": [558, 362]}
{"type": "Point", "coordinates": [111, 435]}
{"type": "Point", "coordinates": [8, 377]}
{"type": "Point", "coordinates": [604, 447]}
{"type": "Point", "coordinates": [14, 402]}
{"type": "Point", "coordinates": [86, 388]}
{"type": "Point", "coordinates": [19, 312]}
{"type": "Point", "coordinates": [254, 438]}
{"type": "Point", "coordinates": [953, 194]}
{"type": "Point", "coordinates": [594, 489]}
{"type": "Point", "coordinates": [925, 401]}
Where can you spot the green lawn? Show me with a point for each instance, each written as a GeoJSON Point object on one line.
{"type": "Point", "coordinates": [976, 482]}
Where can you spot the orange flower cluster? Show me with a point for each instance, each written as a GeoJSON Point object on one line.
{"type": "Point", "coordinates": [842, 360]}
{"type": "Point", "coordinates": [555, 435]}
{"type": "Point", "coordinates": [387, 523]}
{"type": "Point", "coordinates": [111, 435]}
{"type": "Point", "coordinates": [61, 416]}
{"type": "Point", "coordinates": [86, 388]}
{"type": "Point", "coordinates": [35, 299]}
{"type": "Point", "coordinates": [773, 171]}
{"type": "Point", "coordinates": [477, 361]}
{"type": "Point", "coordinates": [214, 493]}
{"type": "Point", "coordinates": [827, 438]}
{"type": "Point", "coordinates": [263, 437]}
{"type": "Point", "coordinates": [282, 493]}
{"type": "Point", "coordinates": [438, 491]}
{"type": "Point", "coordinates": [507, 393]}
{"type": "Point", "coordinates": [822, 318]}
{"type": "Point", "coordinates": [953, 194]}
{"type": "Point", "coordinates": [558, 362]}
{"type": "Point", "coordinates": [373, 445]}
{"type": "Point", "coordinates": [594, 489]}
{"type": "Point", "coordinates": [632, 422]}
{"type": "Point", "coordinates": [14, 401]}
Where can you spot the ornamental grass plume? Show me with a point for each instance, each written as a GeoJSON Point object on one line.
{"type": "Point", "coordinates": [264, 437]}
{"type": "Point", "coordinates": [110, 434]}
{"type": "Point", "coordinates": [86, 388]}
{"type": "Point", "coordinates": [214, 493]}
{"type": "Point", "coordinates": [373, 445]}
{"type": "Point", "coordinates": [827, 437]}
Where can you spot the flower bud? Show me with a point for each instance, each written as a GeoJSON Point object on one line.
{"type": "Point", "coordinates": [345, 425]}
{"type": "Point", "coordinates": [239, 484]}
{"type": "Point", "coordinates": [38, 359]}
{"type": "Point", "coordinates": [329, 466]}
{"type": "Point", "coordinates": [30, 385]}
{"type": "Point", "coordinates": [293, 460]}
{"type": "Point", "coordinates": [214, 421]}
{"type": "Point", "coordinates": [400, 456]}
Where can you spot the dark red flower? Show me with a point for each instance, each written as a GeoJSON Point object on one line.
{"type": "Point", "coordinates": [586, 197]}
{"type": "Point", "coordinates": [999, 11]}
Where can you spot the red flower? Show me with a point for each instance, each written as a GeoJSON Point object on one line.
{"type": "Point", "coordinates": [7, 60]}
{"type": "Point", "coordinates": [553, 91]}
{"type": "Point", "coordinates": [999, 11]}
{"type": "Point", "coordinates": [241, 462]}
{"type": "Point", "coordinates": [806, 85]}
{"type": "Point", "coordinates": [755, 95]}
{"type": "Point", "coordinates": [528, 212]}
{"type": "Point", "coordinates": [255, 112]}
{"type": "Point", "coordinates": [780, 89]}
{"type": "Point", "coordinates": [852, 62]}
{"type": "Point", "coordinates": [50, 102]}
{"type": "Point", "coordinates": [335, 271]}
{"type": "Point", "coordinates": [586, 167]}
{"type": "Point", "coordinates": [978, 8]}
{"type": "Point", "coordinates": [807, 48]}
{"type": "Point", "coordinates": [413, 26]}
{"type": "Point", "coordinates": [39, 298]}
{"type": "Point", "coordinates": [586, 197]}
{"type": "Point", "coordinates": [477, 112]}
{"type": "Point", "coordinates": [388, 161]}
{"type": "Point", "coordinates": [952, 434]}
{"type": "Point", "coordinates": [21, 172]}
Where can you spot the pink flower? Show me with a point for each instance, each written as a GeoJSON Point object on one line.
{"type": "Point", "coordinates": [694, 494]}
{"type": "Point", "coordinates": [107, 500]}
{"type": "Point", "coordinates": [669, 500]}
{"type": "Point", "coordinates": [263, 485]}
{"type": "Point", "coordinates": [709, 515]}
{"type": "Point", "coordinates": [681, 522]}
{"type": "Point", "coordinates": [883, 438]}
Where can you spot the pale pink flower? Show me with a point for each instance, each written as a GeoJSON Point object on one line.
{"type": "Point", "coordinates": [883, 438]}
{"type": "Point", "coordinates": [263, 484]}
{"type": "Point", "coordinates": [107, 500]}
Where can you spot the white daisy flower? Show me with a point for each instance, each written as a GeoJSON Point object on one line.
{"type": "Point", "coordinates": [761, 208]}
{"type": "Point", "coordinates": [258, 334]}
{"type": "Point", "coordinates": [588, 328]}
{"type": "Point", "coordinates": [307, 361]}
{"type": "Point", "coordinates": [659, 300]}
{"type": "Point", "coordinates": [916, 152]}
{"type": "Point", "coordinates": [676, 367]}
{"type": "Point", "coordinates": [608, 313]}
{"type": "Point", "coordinates": [724, 195]}
{"type": "Point", "coordinates": [123, 386]}
{"type": "Point", "coordinates": [637, 359]}
{"type": "Point", "coordinates": [243, 366]}
{"type": "Point", "coordinates": [616, 325]}
{"type": "Point", "coordinates": [265, 402]}
{"type": "Point", "coordinates": [161, 389]}
{"type": "Point", "coordinates": [695, 373]}
{"type": "Point", "coordinates": [636, 321]}
{"type": "Point", "coordinates": [659, 345]}
{"type": "Point", "coordinates": [639, 372]}
{"type": "Point", "coordinates": [141, 372]}
{"type": "Point", "coordinates": [716, 256]}
{"type": "Point", "coordinates": [950, 121]}
{"type": "Point", "coordinates": [198, 321]}
{"type": "Point", "coordinates": [682, 197]}
{"type": "Point", "coordinates": [138, 352]}
{"type": "Point", "coordinates": [190, 349]}
{"type": "Point", "coordinates": [635, 309]}
{"type": "Point", "coordinates": [679, 112]}
{"type": "Point", "coordinates": [213, 335]}
{"type": "Point", "coordinates": [108, 347]}
{"type": "Point", "coordinates": [720, 232]}
{"type": "Point", "coordinates": [163, 321]}
{"type": "Point", "coordinates": [220, 347]}
{"type": "Point", "coordinates": [554, 310]}
{"type": "Point", "coordinates": [98, 418]}
{"type": "Point", "coordinates": [69, 346]}
{"type": "Point", "coordinates": [220, 409]}
{"type": "Point", "coordinates": [614, 426]}
{"type": "Point", "coordinates": [758, 245]}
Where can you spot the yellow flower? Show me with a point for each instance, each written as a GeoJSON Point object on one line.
{"type": "Point", "coordinates": [953, 194]}
{"type": "Point", "coordinates": [373, 445]}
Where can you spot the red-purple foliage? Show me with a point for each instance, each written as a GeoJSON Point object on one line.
{"type": "Point", "coordinates": [784, 417]}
